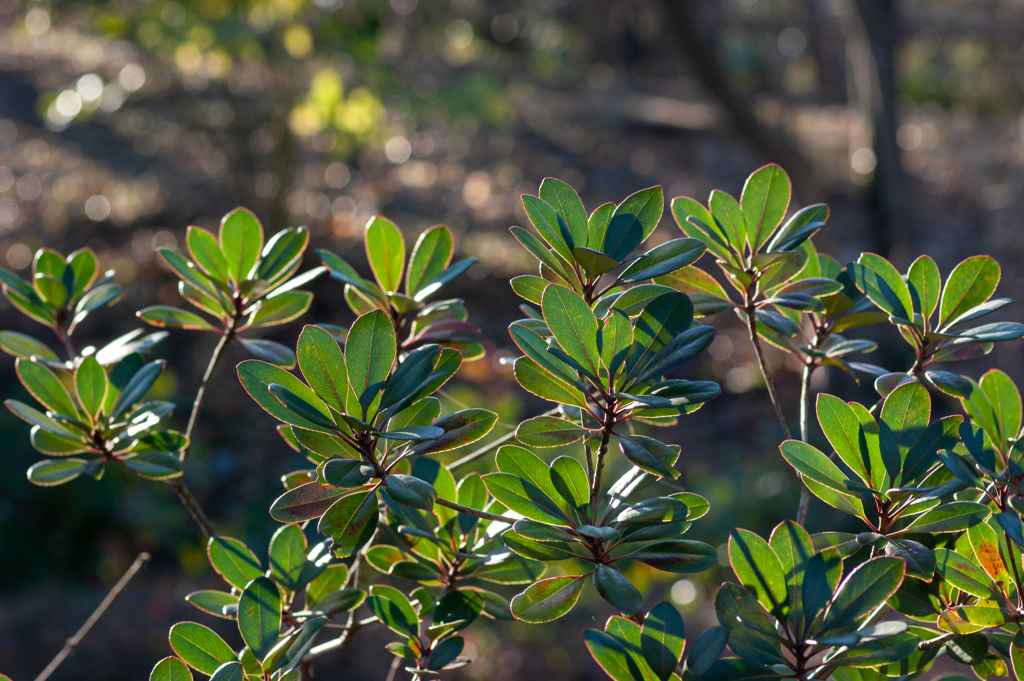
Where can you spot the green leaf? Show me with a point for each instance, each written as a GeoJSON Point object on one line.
{"type": "Point", "coordinates": [954, 516]}
{"type": "Point", "coordinates": [99, 297]}
{"type": "Point", "coordinates": [233, 561]}
{"type": "Point", "coordinates": [800, 227]}
{"type": "Point", "coordinates": [574, 325]}
{"type": "Point", "coordinates": [662, 640]}
{"type": "Point", "coordinates": [759, 569]}
{"type": "Point", "coordinates": [611, 656]}
{"type": "Point", "coordinates": [970, 284]}
{"type": "Point", "coordinates": [281, 255]}
{"type": "Point", "coordinates": [664, 259]}
{"type": "Point", "coordinates": [174, 318]}
{"type": "Point", "coordinates": [594, 263]}
{"type": "Point", "coordinates": [597, 225]}
{"type": "Point", "coordinates": [1005, 402]}
{"type": "Point", "coordinates": [91, 386]}
{"type": "Point", "coordinates": [206, 253]}
{"type": "Point", "coordinates": [304, 502]}
{"type": "Point", "coordinates": [523, 497]}
{"type": "Point", "coordinates": [570, 481]}
{"type": "Point", "coordinates": [51, 290]}
{"type": "Point", "coordinates": [430, 256]}
{"type": "Point", "coordinates": [920, 559]}
{"type": "Point", "coordinates": [44, 385]}
{"type": "Point", "coordinates": [868, 586]}
{"type": "Point", "coordinates": [681, 556]}
{"type": "Point", "coordinates": [844, 432]}
{"type": "Point", "coordinates": [728, 217]}
{"type": "Point", "coordinates": [883, 285]}
{"type": "Point", "coordinates": [461, 428]}
{"type": "Point", "coordinates": [350, 521]}
{"type": "Point", "coordinates": [229, 671]}
{"type": "Point", "coordinates": [963, 574]}
{"type": "Point", "coordinates": [548, 431]}
{"type": "Point", "coordinates": [241, 240]}
{"type": "Point", "coordinates": [547, 599]}
{"type": "Point", "coordinates": [256, 378]}
{"type": "Point", "coordinates": [530, 287]}
{"type": "Point", "coordinates": [617, 590]}
{"type": "Point", "coordinates": [708, 647]}
{"type": "Point", "coordinates": [23, 346]}
{"type": "Point", "coordinates": [323, 366]}
{"type": "Point", "coordinates": [311, 409]}
{"type": "Point", "coordinates": [662, 319]}
{"type": "Point", "coordinates": [46, 442]}
{"type": "Point", "coordinates": [394, 610]}
{"type": "Point", "coordinates": [213, 602]}
{"type": "Point", "coordinates": [545, 550]}
{"type": "Point", "coordinates": [137, 387]}
{"type": "Point", "coordinates": [167, 669]}
{"type": "Point", "coordinates": [51, 472]}
{"type": "Point", "coordinates": [925, 285]}
{"type": "Point", "coordinates": [650, 455]}
{"type": "Point", "coordinates": [281, 307]}
{"type": "Point", "coordinates": [539, 251]}
{"type": "Point", "coordinates": [29, 303]}
{"type": "Point", "coordinates": [566, 202]}
{"type": "Point", "coordinates": [412, 373]}
{"type": "Point", "coordinates": [369, 354]}
{"type": "Point", "coordinates": [200, 647]}
{"type": "Point", "coordinates": [411, 491]}
{"type": "Point", "coordinates": [259, 615]}
{"type": "Point", "coordinates": [794, 548]}
{"type": "Point", "coordinates": [36, 417]}
{"type": "Point", "coordinates": [905, 415]}
{"type": "Point", "coordinates": [614, 340]}
{"type": "Point", "coordinates": [551, 227]}
{"type": "Point", "coordinates": [542, 383]}
{"type": "Point", "coordinates": [632, 222]}
{"type": "Point", "coordinates": [328, 582]}
{"type": "Point", "coordinates": [385, 249]}
{"type": "Point", "coordinates": [269, 351]}
{"type": "Point", "coordinates": [764, 200]}
{"type": "Point", "coordinates": [287, 556]}
{"type": "Point", "coordinates": [345, 473]}
{"type": "Point", "coordinates": [81, 265]}
{"type": "Point", "coordinates": [155, 465]}
{"type": "Point", "coordinates": [817, 467]}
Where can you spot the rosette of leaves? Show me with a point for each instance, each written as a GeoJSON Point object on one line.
{"type": "Point", "coordinates": [95, 415]}
{"type": "Point", "coordinates": [443, 550]}
{"type": "Point", "coordinates": [62, 293]}
{"type": "Point", "coordinates": [611, 369]}
{"type": "Point", "coordinates": [432, 647]}
{"type": "Point", "coordinates": [361, 416]}
{"type": "Point", "coordinates": [281, 609]}
{"type": "Point", "coordinates": [628, 651]}
{"type": "Point", "coordinates": [911, 301]}
{"type": "Point", "coordinates": [989, 458]}
{"type": "Point", "coordinates": [889, 474]}
{"type": "Point", "coordinates": [416, 322]}
{"type": "Point", "coordinates": [818, 341]}
{"type": "Point", "coordinates": [239, 281]}
{"type": "Point", "coordinates": [561, 521]}
{"type": "Point", "coordinates": [593, 255]}
{"type": "Point", "coordinates": [797, 613]}
{"type": "Point", "coordinates": [759, 254]}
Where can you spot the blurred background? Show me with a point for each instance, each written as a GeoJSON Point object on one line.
{"type": "Point", "coordinates": [122, 122]}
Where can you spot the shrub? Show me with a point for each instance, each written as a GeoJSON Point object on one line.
{"type": "Point", "coordinates": [408, 543]}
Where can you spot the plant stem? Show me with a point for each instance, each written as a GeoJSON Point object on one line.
{"type": "Point", "coordinates": [805, 389]}
{"type": "Point", "coordinates": [72, 643]}
{"type": "Point", "coordinates": [197, 406]}
{"type": "Point", "coordinates": [609, 423]}
{"type": "Point", "coordinates": [752, 327]}
{"type": "Point", "coordinates": [191, 505]}
{"type": "Point", "coordinates": [65, 339]}
{"type": "Point", "coordinates": [472, 511]}
{"type": "Point", "coordinates": [394, 668]}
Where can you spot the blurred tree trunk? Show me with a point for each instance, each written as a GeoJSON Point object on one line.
{"type": "Point", "coordinates": [889, 199]}
{"type": "Point", "coordinates": [773, 146]}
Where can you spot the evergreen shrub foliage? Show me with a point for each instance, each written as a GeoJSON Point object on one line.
{"type": "Point", "coordinates": [376, 531]}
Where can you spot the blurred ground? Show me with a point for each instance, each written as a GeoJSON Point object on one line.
{"type": "Point", "coordinates": [121, 124]}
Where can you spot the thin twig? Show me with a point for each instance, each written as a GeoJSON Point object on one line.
{"type": "Point", "coordinates": [191, 505]}
{"type": "Point", "coordinates": [65, 339]}
{"type": "Point", "coordinates": [72, 643]}
{"type": "Point", "coordinates": [805, 389]}
{"type": "Point", "coordinates": [595, 487]}
{"type": "Point", "coordinates": [752, 326]}
{"type": "Point", "coordinates": [395, 664]}
{"type": "Point", "coordinates": [472, 511]}
{"type": "Point", "coordinates": [197, 406]}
